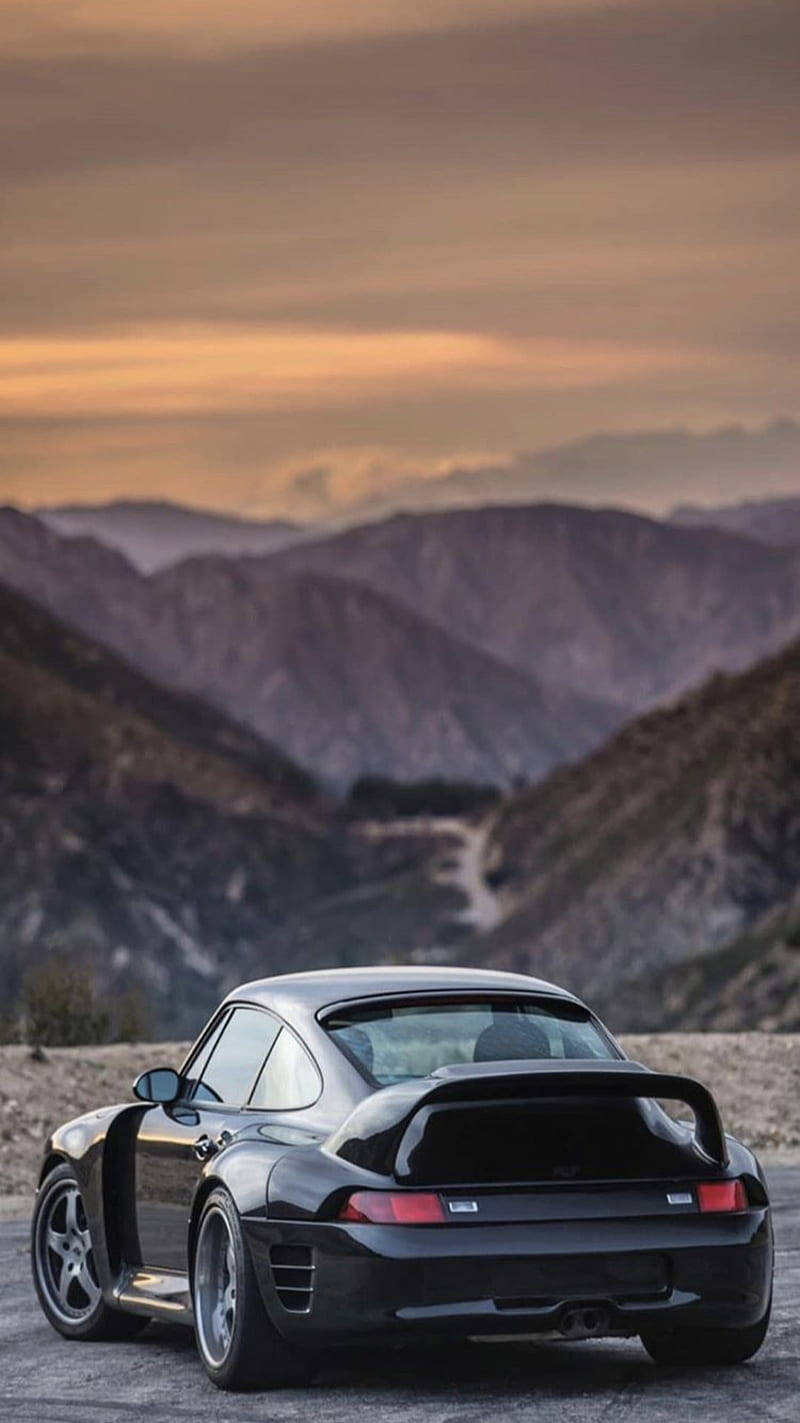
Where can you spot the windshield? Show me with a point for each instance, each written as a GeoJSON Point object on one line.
{"type": "Point", "coordinates": [401, 1040]}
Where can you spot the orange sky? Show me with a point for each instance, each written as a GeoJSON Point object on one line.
{"type": "Point", "coordinates": [243, 244]}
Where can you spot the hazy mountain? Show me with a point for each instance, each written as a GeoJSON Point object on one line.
{"type": "Point", "coordinates": [349, 682]}
{"type": "Point", "coordinates": [146, 835]}
{"type": "Point", "coordinates": [773, 521]}
{"type": "Point", "coordinates": [337, 675]}
{"type": "Point", "coordinates": [678, 838]}
{"type": "Point", "coordinates": [631, 608]}
{"type": "Point", "coordinates": [154, 533]}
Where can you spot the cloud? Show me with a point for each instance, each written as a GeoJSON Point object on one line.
{"type": "Point", "coordinates": [243, 240]}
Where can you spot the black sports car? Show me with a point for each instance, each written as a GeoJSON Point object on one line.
{"type": "Point", "coordinates": [396, 1152]}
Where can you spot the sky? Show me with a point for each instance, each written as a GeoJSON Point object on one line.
{"type": "Point", "coordinates": [296, 259]}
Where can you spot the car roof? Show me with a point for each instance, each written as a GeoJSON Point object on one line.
{"type": "Point", "coordinates": [308, 993]}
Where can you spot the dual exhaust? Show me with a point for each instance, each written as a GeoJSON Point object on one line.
{"type": "Point", "coordinates": [584, 1321]}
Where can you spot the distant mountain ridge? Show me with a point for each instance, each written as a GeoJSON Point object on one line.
{"type": "Point", "coordinates": [772, 521]}
{"type": "Point", "coordinates": [155, 533]}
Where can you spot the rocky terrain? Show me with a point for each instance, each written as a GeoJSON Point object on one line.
{"type": "Point", "coordinates": [755, 1077]}
{"type": "Point", "coordinates": [149, 838]}
{"type": "Point", "coordinates": [678, 839]}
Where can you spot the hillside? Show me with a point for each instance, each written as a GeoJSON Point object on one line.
{"type": "Point", "coordinates": [655, 872]}
{"type": "Point", "coordinates": [631, 608]}
{"type": "Point", "coordinates": [148, 836]}
{"type": "Point", "coordinates": [155, 533]}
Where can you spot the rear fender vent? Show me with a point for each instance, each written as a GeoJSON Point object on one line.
{"type": "Point", "coordinates": [292, 1268]}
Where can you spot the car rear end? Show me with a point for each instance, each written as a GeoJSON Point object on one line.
{"type": "Point", "coordinates": [520, 1199]}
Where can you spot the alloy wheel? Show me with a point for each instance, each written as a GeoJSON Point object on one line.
{"type": "Point", "coordinates": [63, 1257]}
{"type": "Point", "coordinates": [215, 1287]}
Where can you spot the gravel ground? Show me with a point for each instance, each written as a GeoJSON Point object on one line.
{"type": "Point", "coordinates": [754, 1076]}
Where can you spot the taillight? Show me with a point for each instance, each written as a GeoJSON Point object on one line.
{"type": "Point", "coordinates": [393, 1208]}
{"type": "Point", "coordinates": [721, 1196]}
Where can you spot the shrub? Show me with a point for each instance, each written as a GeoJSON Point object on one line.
{"type": "Point", "coordinates": [60, 1008]}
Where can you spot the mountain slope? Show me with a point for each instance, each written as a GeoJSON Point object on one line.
{"type": "Point", "coordinates": [153, 534]}
{"type": "Point", "coordinates": [772, 521]}
{"type": "Point", "coordinates": [139, 829]}
{"type": "Point", "coordinates": [679, 837]}
{"type": "Point", "coordinates": [634, 609]}
{"type": "Point", "coordinates": [145, 834]}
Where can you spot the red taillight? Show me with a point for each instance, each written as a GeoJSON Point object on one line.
{"type": "Point", "coordinates": [393, 1208]}
{"type": "Point", "coordinates": [721, 1196]}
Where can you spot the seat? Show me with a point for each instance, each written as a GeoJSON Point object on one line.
{"type": "Point", "coordinates": [511, 1037]}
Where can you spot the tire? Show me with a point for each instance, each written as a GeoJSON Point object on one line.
{"type": "Point", "coordinates": [63, 1267]}
{"type": "Point", "coordinates": [238, 1344]}
{"type": "Point", "coordinates": [707, 1346]}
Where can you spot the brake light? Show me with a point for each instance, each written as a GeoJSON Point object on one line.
{"type": "Point", "coordinates": [393, 1208]}
{"type": "Point", "coordinates": [721, 1196]}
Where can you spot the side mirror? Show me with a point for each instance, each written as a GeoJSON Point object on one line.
{"type": "Point", "coordinates": [160, 1084]}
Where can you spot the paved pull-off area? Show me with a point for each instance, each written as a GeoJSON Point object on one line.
{"type": "Point", "coordinates": [45, 1379]}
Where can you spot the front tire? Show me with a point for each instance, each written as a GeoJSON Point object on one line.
{"type": "Point", "coordinates": [64, 1272]}
{"type": "Point", "coordinates": [239, 1346]}
{"type": "Point", "coordinates": [707, 1346]}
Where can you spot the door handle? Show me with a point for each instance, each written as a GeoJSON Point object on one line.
{"type": "Point", "coordinates": [203, 1147]}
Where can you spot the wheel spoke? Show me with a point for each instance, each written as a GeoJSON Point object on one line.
{"type": "Point", "coordinates": [71, 1201]}
{"type": "Point", "coordinates": [87, 1283]}
{"type": "Point", "coordinates": [56, 1241]}
{"type": "Point", "coordinates": [63, 1286]}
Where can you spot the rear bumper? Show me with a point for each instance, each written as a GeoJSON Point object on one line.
{"type": "Point", "coordinates": [392, 1280]}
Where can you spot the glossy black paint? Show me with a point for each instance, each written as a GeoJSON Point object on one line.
{"type": "Point", "coordinates": [145, 1170]}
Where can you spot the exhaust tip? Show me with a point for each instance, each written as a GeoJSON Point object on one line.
{"type": "Point", "coordinates": [584, 1322]}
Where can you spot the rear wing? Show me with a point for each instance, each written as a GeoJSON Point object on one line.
{"type": "Point", "coordinates": [383, 1130]}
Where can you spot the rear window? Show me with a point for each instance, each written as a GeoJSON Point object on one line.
{"type": "Point", "coordinates": [398, 1041]}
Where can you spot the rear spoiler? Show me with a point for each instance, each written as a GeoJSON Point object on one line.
{"type": "Point", "coordinates": [376, 1135]}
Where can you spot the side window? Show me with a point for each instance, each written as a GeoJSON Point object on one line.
{"type": "Point", "coordinates": [288, 1079]}
{"type": "Point", "coordinates": [236, 1057]}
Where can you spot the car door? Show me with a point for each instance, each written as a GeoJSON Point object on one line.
{"type": "Point", "coordinates": [174, 1142]}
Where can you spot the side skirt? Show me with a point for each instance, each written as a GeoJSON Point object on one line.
{"type": "Point", "coordinates": [164, 1294]}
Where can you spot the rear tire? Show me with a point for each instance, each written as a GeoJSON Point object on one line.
{"type": "Point", "coordinates": [707, 1346]}
{"type": "Point", "coordinates": [239, 1346]}
{"type": "Point", "coordinates": [63, 1266]}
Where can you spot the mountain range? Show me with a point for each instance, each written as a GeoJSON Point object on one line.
{"type": "Point", "coordinates": [341, 677]}
{"type": "Point", "coordinates": [635, 609]}
{"type": "Point", "coordinates": [488, 644]}
{"type": "Point", "coordinates": [178, 849]}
